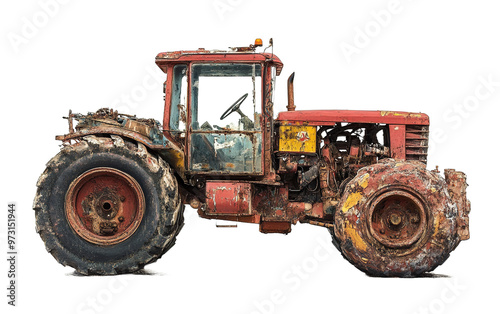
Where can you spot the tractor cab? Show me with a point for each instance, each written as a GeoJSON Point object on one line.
{"type": "Point", "coordinates": [215, 108]}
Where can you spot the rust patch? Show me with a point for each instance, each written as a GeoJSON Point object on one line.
{"type": "Point", "coordinates": [104, 206]}
{"type": "Point", "coordinates": [457, 186]}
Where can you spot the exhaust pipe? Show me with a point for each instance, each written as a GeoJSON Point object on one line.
{"type": "Point", "coordinates": [291, 101]}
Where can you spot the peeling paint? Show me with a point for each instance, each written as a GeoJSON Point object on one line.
{"type": "Point", "coordinates": [364, 180]}
{"type": "Point", "coordinates": [352, 200]}
{"type": "Point", "coordinates": [400, 114]}
{"type": "Point", "coordinates": [356, 239]}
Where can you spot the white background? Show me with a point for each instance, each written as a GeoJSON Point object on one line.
{"type": "Point", "coordinates": [421, 55]}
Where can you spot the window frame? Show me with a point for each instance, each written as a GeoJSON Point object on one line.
{"type": "Point", "coordinates": [252, 133]}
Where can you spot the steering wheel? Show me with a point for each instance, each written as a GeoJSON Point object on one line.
{"type": "Point", "coordinates": [234, 107]}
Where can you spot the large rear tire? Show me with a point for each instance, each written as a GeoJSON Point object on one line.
{"type": "Point", "coordinates": [396, 219]}
{"type": "Point", "coordinates": [107, 206]}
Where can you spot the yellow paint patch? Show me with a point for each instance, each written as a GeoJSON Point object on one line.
{"type": "Point", "coordinates": [297, 138]}
{"type": "Point", "coordinates": [433, 189]}
{"type": "Point", "coordinates": [400, 114]}
{"type": "Point", "coordinates": [352, 200]}
{"type": "Point", "coordinates": [364, 180]}
{"type": "Point", "coordinates": [176, 160]}
{"type": "Point", "coordinates": [356, 239]}
{"type": "Point", "coordinates": [436, 227]}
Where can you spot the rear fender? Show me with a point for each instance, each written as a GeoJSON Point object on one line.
{"type": "Point", "coordinates": [146, 133]}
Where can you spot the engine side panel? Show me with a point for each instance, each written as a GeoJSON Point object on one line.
{"type": "Point", "coordinates": [297, 139]}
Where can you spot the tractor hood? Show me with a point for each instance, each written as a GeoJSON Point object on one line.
{"type": "Point", "coordinates": [327, 117]}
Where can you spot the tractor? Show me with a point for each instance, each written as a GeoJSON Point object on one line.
{"type": "Point", "coordinates": [112, 200]}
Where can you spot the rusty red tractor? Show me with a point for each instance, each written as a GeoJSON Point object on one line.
{"type": "Point", "coordinates": [112, 200]}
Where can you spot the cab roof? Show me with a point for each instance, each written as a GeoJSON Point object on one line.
{"type": "Point", "coordinates": [215, 56]}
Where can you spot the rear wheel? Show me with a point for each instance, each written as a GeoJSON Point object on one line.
{"type": "Point", "coordinates": [107, 206]}
{"type": "Point", "coordinates": [396, 219]}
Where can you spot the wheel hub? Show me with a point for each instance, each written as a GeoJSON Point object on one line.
{"type": "Point", "coordinates": [397, 218]}
{"type": "Point", "coordinates": [104, 206]}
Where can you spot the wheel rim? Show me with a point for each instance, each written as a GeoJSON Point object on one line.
{"type": "Point", "coordinates": [104, 206]}
{"type": "Point", "coordinates": [397, 219]}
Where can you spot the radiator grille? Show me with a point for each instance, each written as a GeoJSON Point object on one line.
{"type": "Point", "coordinates": [417, 141]}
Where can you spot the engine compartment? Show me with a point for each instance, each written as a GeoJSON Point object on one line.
{"type": "Point", "coordinates": [342, 149]}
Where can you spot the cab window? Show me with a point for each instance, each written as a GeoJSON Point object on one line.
{"type": "Point", "coordinates": [226, 96]}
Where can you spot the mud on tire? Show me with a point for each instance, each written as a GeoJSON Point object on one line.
{"type": "Point", "coordinates": [396, 219]}
{"type": "Point", "coordinates": [153, 229]}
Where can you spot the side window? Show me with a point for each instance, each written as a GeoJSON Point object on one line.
{"type": "Point", "coordinates": [179, 99]}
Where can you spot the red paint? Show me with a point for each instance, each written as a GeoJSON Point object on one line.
{"type": "Point", "coordinates": [328, 117]}
{"type": "Point", "coordinates": [104, 196]}
{"type": "Point", "coordinates": [228, 198]}
{"type": "Point", "coordinates": [303, 136]}
{"type": "Point", "coordinates": [397, 134]}
{"type": "Point", "coordinates": [317, 210]}
{"type": "Point", "coordinates": [354, 151]}
{"type": "Point", "coordinates": [165, 58]}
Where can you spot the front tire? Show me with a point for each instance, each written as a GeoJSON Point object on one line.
{"type": "Point", "coordinates": [107, 206]}
{"type": "Point", "coordinates": [396, 219]}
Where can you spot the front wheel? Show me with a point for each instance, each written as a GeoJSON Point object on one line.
{"type": "Point", "coordinates": [107, 206]}
{"type": "Point", "coordinates": [396, 219]}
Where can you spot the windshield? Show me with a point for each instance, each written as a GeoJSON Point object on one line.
{"type": "Point", "coordinates": [226, 96]}
{"type": "Point", "coordinates": [226, 102]}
